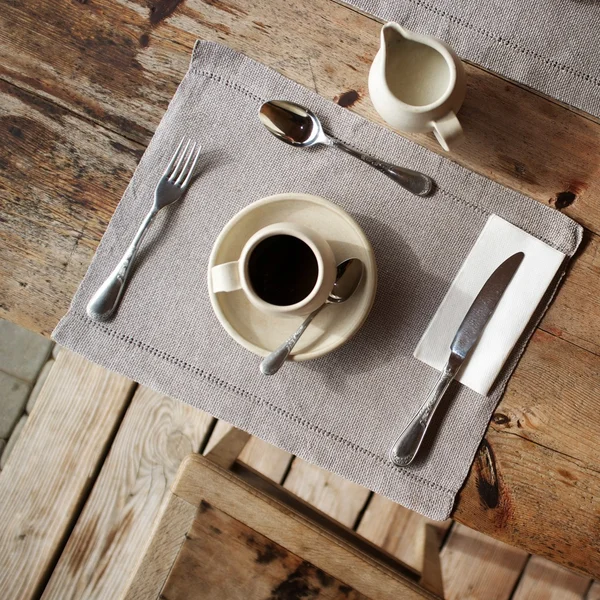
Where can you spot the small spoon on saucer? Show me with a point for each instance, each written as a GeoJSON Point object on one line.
{"type": "Point", "coordinates": [349, 274]}
{"type": "Point", "coordinates": [299, 126]}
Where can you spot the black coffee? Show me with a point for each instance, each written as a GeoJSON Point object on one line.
{"type": "Point", "coordinates": [282, 270]}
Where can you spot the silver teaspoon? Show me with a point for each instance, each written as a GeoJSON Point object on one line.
{"type": "Point", "coordinates": [299, 126]}
{"type": "Point", "coordinates": [349, 274]}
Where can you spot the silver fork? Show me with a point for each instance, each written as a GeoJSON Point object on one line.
{"type": "Point", "coordinates": [170, 188]}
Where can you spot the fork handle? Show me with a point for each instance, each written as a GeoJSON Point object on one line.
{"type": "Point", "coordinates": [106, 299]}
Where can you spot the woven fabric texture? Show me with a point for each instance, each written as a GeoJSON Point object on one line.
{"type": "Point", "coordinates": [342, 411]}
{"type": "Point", "coordinates": [549, 45]}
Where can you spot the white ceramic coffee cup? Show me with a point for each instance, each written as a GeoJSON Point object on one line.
{"type": "Point", "coordinates": [417, 84]}
{"type": "Point", "coordinates": [232, 276]}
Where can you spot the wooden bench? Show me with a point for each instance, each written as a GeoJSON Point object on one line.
{"type": "Point", "coordinates": [225, 534]}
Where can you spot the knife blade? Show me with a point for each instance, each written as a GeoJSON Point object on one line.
{"type": "Point", "coordinates": [483, 306]}
{"type": "Point", "coordinates": [407, 445]}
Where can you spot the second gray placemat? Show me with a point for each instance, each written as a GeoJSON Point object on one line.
{"type": "Point", "coordinates": [549, 45]}
{"type": "Point", "coordinates": [342, 411]}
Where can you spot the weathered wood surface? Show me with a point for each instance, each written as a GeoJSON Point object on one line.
{"type": "Point", "coordinates": [345, 502]}
{"type": "Point", "coordinates": [544, 580]}
{"type": "Point", "coordinates": [109, 538]}
{"type": "Point", "coordinates": [268, 460]}
{"type": "Point", "coordinates": [431, 566]}
{"type": "Point", "coordinates": [51, 468]}
{"type": "Point", "coordinates": [540, 458]}
{"type": "Point", "coordinates": [166, 538]}
{"type": "Point", "coordinates": [223, 559]}
{"type": "Point", "coordinates": [478, 567]}
{"type": "Point", "coordinates": [61, 178]}
{"type": "Point", "coordinates": [200, 480]}
{"type": "Point", "coordinates": [85, 84]}
{"type": "Point", "coordinates": [594, 591]}
{"type": "Point", "coordinates": [338, 498]}
{"type": "Point", "coordinates": [398, 530]}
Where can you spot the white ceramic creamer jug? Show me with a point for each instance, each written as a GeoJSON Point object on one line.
{"type": "Point", "coordinates": [417, 84]}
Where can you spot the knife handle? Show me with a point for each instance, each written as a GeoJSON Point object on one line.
{"type": "Point", "coordinates": [407, 445]}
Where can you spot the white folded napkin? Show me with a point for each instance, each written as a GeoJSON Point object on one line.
{"type": "Point", "coordinates": [498, 241]}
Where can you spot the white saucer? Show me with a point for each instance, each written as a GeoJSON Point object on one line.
{"type": "Point", "coordinates": [335, 324]}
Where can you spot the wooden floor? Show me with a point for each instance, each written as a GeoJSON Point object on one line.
{"type": "Point", "coordinates": [85, 481]}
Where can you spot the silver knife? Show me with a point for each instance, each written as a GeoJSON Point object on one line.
{"type": "Point", "coordinates": [406, 447]}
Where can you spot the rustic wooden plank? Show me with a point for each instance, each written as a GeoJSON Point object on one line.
{"type": "Point", "coordinates": [594, 592]}
{"type": "Point", "coordinates": [52, 466]}
{"type": "Point", "coordinates": [224, 559]}
{"type": "Point", "coordinates": [166, 539]}
{"type": "Point", "coordinates": [338, 498]}
{"type": "Point", "coordinates": [397, 530]}
{"type": "Point", "coordinates": [225, 452]}
{"type": "Point", "coordinates": [540, 457]}
{"type": "Point", "coordinates": [61, 180]}
{"type": "Point", "coordinates": [545, 580]}
{"type": "Point", "coordinates": [512, 134]}
{"type": "Point", "coordinates": [268, 460]}
{"type": "Point", "coordinates": [285, 525]}
{"type": "Point", "coordinates": [108, 541]}
{"type": "Point", "coordinates": [157, 65]}
{"type": "Point", "coordinates": [575, 313]}
{"type": "Point", "coordinates": [478, 567]}
{"type": "Point", "coordinates": [431, 568]}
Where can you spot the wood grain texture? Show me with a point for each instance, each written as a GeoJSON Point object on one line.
{"type": "Point", "coordinates": [333, 58]}
{"type": "Point", "coordinates": [223, 559]}
{"type": "Point", "coordinates": [157, 433]}
{"type": "Point", "coordinates": [200, 480]}
{"type": "Point", "coordinates": [521, 138]}
{"type": "Point", "coordinates": [575, 313]}
{"type": "Point", "coordinates": [477, 567]}
{"type": "Point", "coordinates": [540, 458]}
{"type": "Point", "coordinates": [338, 498]}
{"type": "Point", "coordinates": [61, 178]}
{"type": "Point", "coordinates": [397, 530]}
{"type": "Point", "coordinates": [544, 580]}
{"type": "Point", "coordinates": [268, 460]}
{"type": "Point", "coordinates": [166, 538]}
{"type": "Point", "coordinates": [594, 591]}
{"type": "Point", "coordinates": [84, 86]}
{"type": "Point", "coordinates": [52, 466]}
{"type": "Point", "coordinates": [431, 567]}
{"type": "Point", "coordinates": [226, 451]}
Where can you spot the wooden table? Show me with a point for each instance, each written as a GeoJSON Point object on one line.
{"type": "Point", "coordinates": [84, 85]}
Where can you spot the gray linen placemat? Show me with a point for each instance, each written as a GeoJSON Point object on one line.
{"type": "Point", "coordinates": [549, 45]}
{"type": "Point", "coordinates": [342, 411]}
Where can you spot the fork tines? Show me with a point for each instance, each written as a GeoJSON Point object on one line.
{"type": "Point", "coordinates": [179, 171]}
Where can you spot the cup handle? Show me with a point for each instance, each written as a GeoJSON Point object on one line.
{"type": "Point", "coordinates": [447, 130]}
{"type": "Point", "coordinates": [226, 277]}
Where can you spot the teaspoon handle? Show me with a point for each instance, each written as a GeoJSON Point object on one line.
{"type": "Point", "coordinates": [413, 181]}
{"type": "Point", "coordinates": [274, 361]}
